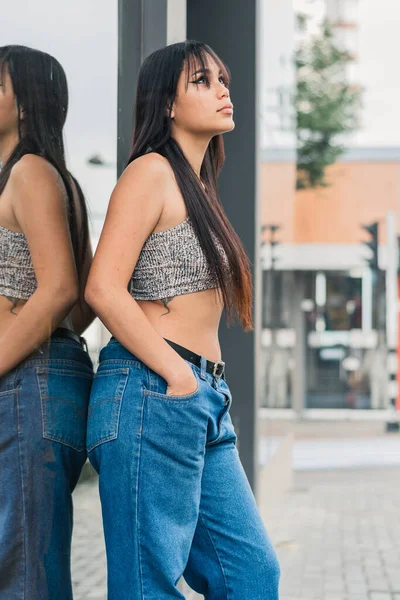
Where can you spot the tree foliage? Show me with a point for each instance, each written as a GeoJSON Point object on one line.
{"type": "Point", "coordinates": [326, 105]}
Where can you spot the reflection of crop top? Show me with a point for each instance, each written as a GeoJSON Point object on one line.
{"type": "Point", "coordinates": [172, 263]}
{"type": "Point", "coordinates": [17, 277]}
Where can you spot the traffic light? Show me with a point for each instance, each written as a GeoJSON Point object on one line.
{"type": "Point", "coordinates": [273, 243]}
{"type": "Point", "coordinates": [372, 244]}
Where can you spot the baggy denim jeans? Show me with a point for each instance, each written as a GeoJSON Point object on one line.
{"type": "Point", "coordinates": [43, 414]}
{"type": "Point", "coordinates": [175, 498]}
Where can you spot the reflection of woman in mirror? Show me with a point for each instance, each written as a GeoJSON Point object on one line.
{"type": "Point", "coordinates": [45, 371]}
{"type": "Point", "coordinates": [174, 494]}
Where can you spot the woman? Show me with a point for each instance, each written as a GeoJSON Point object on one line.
{"type": "Point", "coordinates": [175, 499]}
{"type": "Point", "coordinates": [45, 372]}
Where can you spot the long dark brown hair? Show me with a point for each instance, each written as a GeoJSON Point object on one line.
{"type": "Point", "coordinates": [156, 91]}
{"type": "Point", "coordinates": [41, 92]}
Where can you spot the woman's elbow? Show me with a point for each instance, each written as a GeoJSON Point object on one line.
{"type": "Point", "coordinates": [65, 295]}
{"type": "Point", "coordinates": [71, 294]}
{"type": "Point", "coordinates": [93, 293]}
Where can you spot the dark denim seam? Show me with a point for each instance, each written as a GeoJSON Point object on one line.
{"type": "Point", "coordinates": [52, 362]}
{"type": "Point", "coordinates": [138, 492]}
{"type": "Point", "coordinates": [221, 419]}
{"type": "Point", "coordinates": [23, 494]}
{"type": "Point", "coordinates": [125, 361]}
{"type": "Point", "coordinates": [216, 553]}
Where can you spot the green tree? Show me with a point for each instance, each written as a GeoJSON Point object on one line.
{"type": "Point", "coordinates": [326, 107]}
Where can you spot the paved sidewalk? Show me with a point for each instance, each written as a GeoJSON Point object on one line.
{"type": "Point", "coordinates": [337, 534]}
{"type": "Point", "coordinates": [88, 550]}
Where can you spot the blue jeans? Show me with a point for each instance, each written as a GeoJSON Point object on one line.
{"type": "Point", "coordinates": [43, 414]}
{"type": "Point", "coordinates": [175, 498]}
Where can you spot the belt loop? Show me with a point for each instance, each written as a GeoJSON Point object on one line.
{"type": "Point", "coordinates": [203, 365]}
{"type": "Point", "coordinates": [84, 344]}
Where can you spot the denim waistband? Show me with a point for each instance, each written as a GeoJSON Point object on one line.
{"type": "Point", "coordinates": [115, 351]}
{"type": "Point", "coordinates": [60, 349]}
{"type": "Point", "coordinates": [58, 352]}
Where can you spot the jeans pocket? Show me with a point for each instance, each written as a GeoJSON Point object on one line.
{"type": "Point", "coordinates": [105, 406]}
{"type": "Point", "coordinates": [64, 396]}
{"type": "Point", "coordinates": [159, 386]}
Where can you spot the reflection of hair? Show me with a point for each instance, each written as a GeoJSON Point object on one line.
{"type": "Point", "coordinates": [41, 93]}
{"type": "Point", "coordinates": [156, 91]}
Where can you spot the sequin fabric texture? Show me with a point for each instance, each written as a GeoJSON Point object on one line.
{"type": "Point", "coordinates": [172, 263]}
{"type": "Point", "coordinates": [17, 277]}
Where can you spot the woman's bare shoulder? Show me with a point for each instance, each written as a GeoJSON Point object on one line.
{"type": "Point", "coordinates": [149, 165]}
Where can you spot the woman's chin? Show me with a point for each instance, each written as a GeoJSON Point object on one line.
{"type": "Point", "coordinates": [228, 126]}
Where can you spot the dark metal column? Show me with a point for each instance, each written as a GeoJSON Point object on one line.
{"type": "Point", "coordinates": [230, 28]}
{"type": "Point", "coordinates": [142, 28]}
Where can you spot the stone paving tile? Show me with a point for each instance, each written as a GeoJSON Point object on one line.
{"type": "Point", "coordinates": [344, 524]}
{"type": "Point", "coordinates": [89, 570]}
{"type": "Point", "coordinates": [337, 535]}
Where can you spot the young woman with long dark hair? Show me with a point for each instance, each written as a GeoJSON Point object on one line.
{"type": "Point", "coordinates": [174, 495]}
{"type": "Point", "coordinates": [45, 371]}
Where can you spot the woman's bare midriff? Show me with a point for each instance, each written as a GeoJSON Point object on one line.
{"type": "Point", "coordinates": [9, 310]}
{"type": "Point", "coordinates": [192, 322]}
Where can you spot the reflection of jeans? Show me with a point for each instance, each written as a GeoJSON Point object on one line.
{"type": "Point", "coordinates": [174, 495]}
{"type": "Point", "coordinates": [43, 411]}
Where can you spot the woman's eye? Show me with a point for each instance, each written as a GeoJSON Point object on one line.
{"type": "Point", "coordinates": [205, 80]}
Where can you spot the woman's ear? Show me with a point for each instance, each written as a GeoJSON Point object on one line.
{"type": "Point", "coordinates": [170, 111]}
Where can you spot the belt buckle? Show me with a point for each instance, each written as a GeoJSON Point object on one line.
{"type": "Point", "coordinates": [218, 363]}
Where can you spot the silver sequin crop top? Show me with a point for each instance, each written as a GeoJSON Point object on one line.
{"type": "Point", "coordinates": [17, 277]}
{"type": "Point", "coordinates": [172, 263]}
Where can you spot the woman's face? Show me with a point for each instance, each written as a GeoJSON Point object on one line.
{"type": "Point", "coordinates": [204, 107]}
{"type": "Point", "coordinates": [8, 106]}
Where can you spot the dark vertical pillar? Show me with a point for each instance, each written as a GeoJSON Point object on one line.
{"type": "Point", "coordinates": [142, 28]}
{"type": "Point", "coordinates": [230, 28]}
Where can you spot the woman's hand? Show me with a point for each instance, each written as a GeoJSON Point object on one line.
{"type": "Point", "coordinates": [183, 383]}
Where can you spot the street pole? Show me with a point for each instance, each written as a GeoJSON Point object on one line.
{"type": "Point", "coordinates": [392, 423]}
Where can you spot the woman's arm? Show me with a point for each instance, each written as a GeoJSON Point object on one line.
{"type": "Point", "coordinates": [39, 207]}
{"type": "Point", "coordinates": [134, 210]}
{"type": "Point", "coordinates": [82, 314]}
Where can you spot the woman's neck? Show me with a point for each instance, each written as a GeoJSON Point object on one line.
{"type": "Point", "coordinates": [194, 148]}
